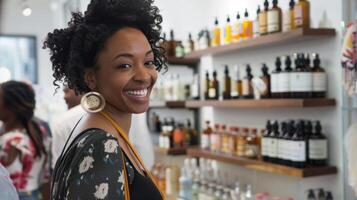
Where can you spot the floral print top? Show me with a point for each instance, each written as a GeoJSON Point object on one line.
{"type": "Point", "coordinates": [92, 168]}
{"type": "Point", "coordinates": [27, 171]}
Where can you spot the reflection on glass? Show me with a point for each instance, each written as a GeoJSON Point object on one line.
{"type": "Point", "coordinates": [18, 55]}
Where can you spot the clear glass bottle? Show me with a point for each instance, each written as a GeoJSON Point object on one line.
{"type": "Point", "coordinates": [205, 140]}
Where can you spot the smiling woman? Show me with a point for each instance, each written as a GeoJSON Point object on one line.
{"type": "Point", "coordinates": [111, 54]}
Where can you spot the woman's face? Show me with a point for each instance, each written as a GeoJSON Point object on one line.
{"type": "Point", "coordinates": [126, 71]}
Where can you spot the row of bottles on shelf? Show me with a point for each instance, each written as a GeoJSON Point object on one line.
{"type": "Point", "coordinates": [176, 134]}
{"type": "Point", "coordinates": [305, 81]}
{"type": "Point", "coordinates": [294, 145]}
{"type": "Point", "coordinates": [319, 194]}
{"type": "Point", "coordinates": [268, 21]}
{"type": "Point", "coordinates": [297, 145]}
{"type": "Point", "coordinates": [237, 141]}
{"type": "Point", "coordinates": [173, 88]}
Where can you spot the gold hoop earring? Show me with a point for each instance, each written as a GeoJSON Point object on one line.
{"type": "Point", "coordinates": [93, 102]}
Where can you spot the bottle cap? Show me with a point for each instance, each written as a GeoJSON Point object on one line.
{"type": "Point", "coordinates": [246, 13]}
{"type": "Point", "coordinates": [228, 19]}
{"type": "Point", "coordinates": [216, 21]}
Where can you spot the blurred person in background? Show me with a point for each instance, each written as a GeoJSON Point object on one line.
{"type": "Point", "coordinates": [24, 145]}
{"type": "Point", "coordinates": [7, 186]}
{"type": "Point", "coordinates": [64, 124]}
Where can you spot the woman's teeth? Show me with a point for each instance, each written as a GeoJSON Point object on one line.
{"type": "Point", "coordinates": [139, 93]}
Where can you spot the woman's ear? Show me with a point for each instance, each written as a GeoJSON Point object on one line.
{"type": "Point", "coordinates": [90, 80]}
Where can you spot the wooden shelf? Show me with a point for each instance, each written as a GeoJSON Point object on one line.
{"type": "Point", "coordinates": [295, 36]}
{"type": "Point", "coordinates": [263, 166]}
{"type": "Point", "coordinates": [263, 103]}
{"type": "Point", "coordinates": [183, 61]}
{"type": "Point", "coordinates": [171, 151]}
{"type": "Point", "coordinates": [167, 104]}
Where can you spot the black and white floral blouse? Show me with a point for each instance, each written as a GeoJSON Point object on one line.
{"type": "Point", "coordinates": [92, 168]}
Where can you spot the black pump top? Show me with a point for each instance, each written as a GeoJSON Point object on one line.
{"type": "Point", "coordinates": [266, 5]}
{"type": "Point", "coordinates": [308, 127]}
{"type": "Point", "coordinates": [216, 21]}
{"type": "Point", "coordinates": [248, 69]}
{"type": "Point", "coordinates": [276, 126]}
{"type": "Point", "coordinates": [258, 10]}
{"type": "Point", "coordinates": [318, 127]}
{"type": "Point", "coordinates": [228, 19]}
{"type": "Point", "coordinates": [311, 195]}
{"type": "Point", "coordinates": [275, 3]}
{"type": "Point", "coordinates": [214, 74]}
{"type": "Point", "coordinates": [246, 13]}
{"type": "Point", "coordinates": [190, 36]}
{"type": "Point", "coordinates": [265, 70]}
{"type": "Point", "coordinates": [207, 75]}
{"type": "Point", "coordinates": [268, 126]}
{"type": "Point", "coordinates": [316, 60]}
{"type": "Point", "coordinates": [278, 64]}
{"type": "Point", "coordinates": [288, 64]}
{"type": "Point", "coordinates": [226, 70]}
{"type": "Point", "coordinates": [292, 4]}
{"type": "Point", "coordinates": [238, 16]}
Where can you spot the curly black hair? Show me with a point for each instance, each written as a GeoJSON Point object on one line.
{"type": "Point", "coordinates": [74, 49]}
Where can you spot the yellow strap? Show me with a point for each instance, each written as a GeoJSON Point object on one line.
{"type": "Point", "coordinates": [126, 180]}
{"type": "Point", "coordinates": [131, 146]}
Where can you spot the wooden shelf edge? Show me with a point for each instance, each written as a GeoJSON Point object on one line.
{"type": "Point", "coordinates": [171, 151]}
{"type": "Point", "coordinates": [263, 166]}
{"type": "Point", "coordinates": [264, 103]}
{"type": "Point", "coordinates": [176, 104]}
{"type": "Point", "coordinates": [182, 61]}
{"type": "Point", "coordinates": [271, 39]}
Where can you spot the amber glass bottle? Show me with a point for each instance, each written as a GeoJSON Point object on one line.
{"type": "Point", "coordinates": [247, 88]}
{"type": "Point", "coordinates": [214, 87]}
{"type": "Point", "coordinates": [266, 79]}
{"type": "Point", "coordinates": [227, 84]}
{"type": "Point", "coordinates": [247, 26]}
{"type": "Point", "coordinates": [302, 14]}
{"type": "Point", "coordinates": [275, 89]}
{"type": "Point", "coordinates": [284, 79]}
{"type": "Point", "coordinates": [207, 85]}
{"type": "Point", "coordinates": [172, 44]}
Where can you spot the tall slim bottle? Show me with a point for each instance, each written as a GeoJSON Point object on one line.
{"type": "Point", "coordinates": [319, 79]}
{"type": "Point", "coordinates": [247, 84]}
{"type": "Point", "coordinates": [285, 79]}
{"type": "Point", "coordinates": [247, 26]}
{"type": "Point", "coordinates": [318, 151]}
{"type": "Point", "coordinates": [213, 92]}
{"type": "Point", "coordinates": [299, 146]}
{"type": "Point", "coordinates": [228, 32]}
{"type": "Point", "coordinates": [216, 39]}
{"type": "Point", "coordinates": [207, 85]}
{"type": "Point", "coordinates": [256, 24]}
{"type": "Point", "coordinates": [266, 142]}
{"type": "Point", "coordinates": [227, 84]}
{"type": "Point", "coordinates": [238, 29]}
{"type": "Point", "coordinates": [274, 18]}
{"type": "Point", "coordinates": [302, 14]}
{"type": "Point", "coordinates": [263, 19]}
{"type": "Point", "coordinates": [273, 146]}
{"type": "Point", "coordinates": [266, 79]}
{"type": "Point", "coordinates": [275, 93]}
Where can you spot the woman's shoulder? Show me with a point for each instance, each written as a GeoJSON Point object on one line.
{"type": "Point", "coordinates": [94, 136]}
{"type": "Point", "coordinates": [15, 135]}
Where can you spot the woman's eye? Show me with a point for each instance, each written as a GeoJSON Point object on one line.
{"type": "Point", "coordinates": [124, 66]}
{"type": "Point", "coordinates": [150, 63]}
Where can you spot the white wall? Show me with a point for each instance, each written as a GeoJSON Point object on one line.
{"type": "Point", "coordinates": [185, 15]}
{"type": "Point", "coordinates": [38, 24]}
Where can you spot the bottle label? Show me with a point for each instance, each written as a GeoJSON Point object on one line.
{"type": "Point", "coordinates": [319, 83]}
{"type": "Point", "coordinates": [205, 141]}
{"type": "Point", "coordinates": [212, 92]}
{"type": "Point", "coordinates": [298, 151]}
{"type": "Point", "coordinates": [265, 146]}
{"type": "Point", "coordinates": [288, 151]}
{"type": "Point", "coordinates": [274, 82]}
{"type": "Point", "coordinates": [263, 23]}
{"type": "Point", "coordinates": [281, 148]}
{"type": "Point", "coordinates": [245, 87]}
{"type": "Point", "coordinates": [287, 21]}
{"type": "Point", "coordinates": [301, 81]}
{"type": "Point", "coordinates": [318, 149]}
{"type": "Point", "coordinates": [273, 21]}
{"type": "Point", "coordinates": [273, 148]}
{"type": "Point", "coordinates": [284, 82]}
{"type": "Point", "coordinates": [256, 28]}
{"type": "Point", "coordinates": [298, 15]}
